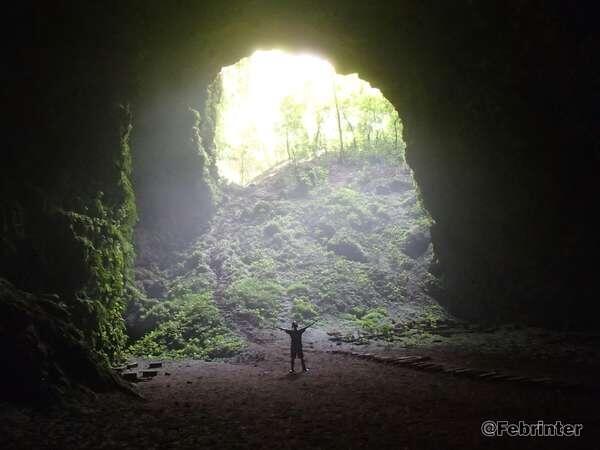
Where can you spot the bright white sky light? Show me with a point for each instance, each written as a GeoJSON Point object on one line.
{"type": "Point", "coordinates": [253, 90]}
{"type": "Point", "coordinates": [271, 76]}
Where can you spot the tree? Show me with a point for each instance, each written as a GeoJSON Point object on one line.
{"type": "Point", "coordinates": [339, 121]}
{"type": "Point", "coordinates": [295, 135]}
{"type": "Point", "coordinates": [320, 114]}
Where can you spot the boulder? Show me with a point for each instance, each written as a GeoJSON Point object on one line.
{"type": "Point", "coordinates": [347, 249]}
{"type": "Point", "coordinates": [416, 243]}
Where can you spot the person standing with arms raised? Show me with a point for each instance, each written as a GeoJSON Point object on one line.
{"type": "Point", "coordinates": [296, 344]}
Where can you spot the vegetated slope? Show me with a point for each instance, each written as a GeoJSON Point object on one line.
{"type": "Point", "coordinates": [345, 242]}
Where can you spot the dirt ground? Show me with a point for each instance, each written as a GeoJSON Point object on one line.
{"type": "Point", "coordinates": [343, 402]}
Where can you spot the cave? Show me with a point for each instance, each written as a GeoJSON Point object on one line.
{"type": "Point", "coordinates": [111, 189]}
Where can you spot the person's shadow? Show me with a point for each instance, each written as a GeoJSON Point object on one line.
{"type": "Point", "coordinates": [291, 376]}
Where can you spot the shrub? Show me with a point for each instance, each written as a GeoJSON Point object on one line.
{"type": "Point", "coordinates": [256, 300]}
{"type": "Point", "coordinates": [311, 176]}
{"type": "Point", "coordinates": [303, 309]}
{"type": "Point", "coordinates": [346, 197]}
{"type": "Point", "coordinates": [263, 266]}
{"type": "Point", "coordinates": [261, 208]}
{"type": "Point", "coordinates": [375, 321]}
{"type": "Point", "coordinates": [271, 229]}
{"type": "Point", "coordinates": [297, 288]}
{"type": "Point", "coordinates": [432, 314]}
{"type": "Point", "coordinates": [192, 327]}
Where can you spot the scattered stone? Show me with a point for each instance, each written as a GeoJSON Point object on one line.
{"type": "Point", "coordinates": [348, 249]}
{"type": "Point", "coordinates": [405, 361]}
{"type": "Point", "coordinates": [130, 376]}
{"type": "Point", "coordinates": [487, 374]}
{"type": "Point", "coordinates": [543, 380]}
{"type": "Point", "coordinates": [500, 377]}
{"type": "Point", "coordinates": [516, 379]}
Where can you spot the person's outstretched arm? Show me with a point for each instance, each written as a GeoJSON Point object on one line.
{"type": "Point", "coordinates": [310, 325]}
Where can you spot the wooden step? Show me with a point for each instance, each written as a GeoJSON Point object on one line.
{"type": "Point", "coordinates": [149, 373]}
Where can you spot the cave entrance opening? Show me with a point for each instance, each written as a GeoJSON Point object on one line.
{"type": "Point", "coordinates": [317, 217]}
{"type": "Point", "coordinates": [275, 108]}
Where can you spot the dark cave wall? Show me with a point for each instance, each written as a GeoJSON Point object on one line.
{"type": "Point", "coordinates": [509, 176]}
{"type": "Point", "coordinates": [499, 104]}
{"type": "Point", "coordinates": [499, 101]}
{"type": "Point", "coordinates": [67, 207]}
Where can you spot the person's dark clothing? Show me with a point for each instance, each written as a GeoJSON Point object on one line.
{"type": "Point", "coordinates": [296, 344]}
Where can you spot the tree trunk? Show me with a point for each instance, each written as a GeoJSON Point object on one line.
{"type": "Point", "coordinates": [287, 144]}
{"type": "Point", "coordinates": [351, 130]}
{"type": "Point", "coordinates": [317, 137]}
{"type": "Point", "coordinates": [339, 122]}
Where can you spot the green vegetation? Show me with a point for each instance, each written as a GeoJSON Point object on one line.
{"type": "Point", "coordinates": [274, 107]}
{"type": "Point", "coordinates": [331, 228]}
{"type": "Point", "coordinates": [257, 301]}
{"type": "Point", "coordinates": [303, 309]}
{"type": "Point", "coordinates": [188, 327]}
{"type": "Point", "coordinates": [98, 231]}
{"type": "Point", "coordinates": [297, 288]}
{"type": "Point", "coordinates": [374, 321]}
{"type": "Point", "coordinates": [432, 314]}
{"type": "Point", "coordinates": [338, 252]}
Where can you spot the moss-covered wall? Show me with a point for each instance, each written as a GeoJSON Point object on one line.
{"type": "Point", "coordinates": [73, 235]}
{"type": "Point", "coordinates": [67, 208]}
{"type": "Point", "coordinates": [499, 101]}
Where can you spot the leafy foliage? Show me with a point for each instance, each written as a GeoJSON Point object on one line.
{"type": "Point", "coordinates": [189, 327]}
{"type": "Point", "coordinates": [303, 309]}
{"type": "Point", "coordinates": [270, 254]}
{"type": "Point", "coordinates": [254, 299]}
{"type": "Point", "coordinates": [312, 111]}
{"type": "Point", "coordinates": [103, 231]}
{"type": "Point", "coordinates": [374, 321]}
